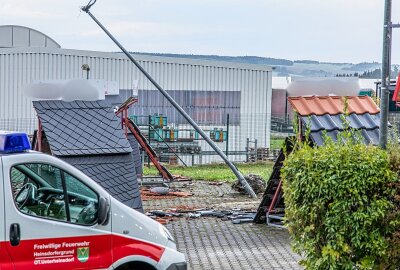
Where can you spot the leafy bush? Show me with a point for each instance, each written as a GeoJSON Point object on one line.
{"type": "Point", "coordinates": [394, 216]}
{"type": "Point", "coordinates": [337, 201]}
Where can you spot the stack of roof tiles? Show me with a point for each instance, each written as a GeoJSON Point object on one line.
{"type": "Point", "coordinates": [88, 135]}
{"type": "Point", "coordinates": [323, 114]}
{"type": "Point", "coordinates": [326, 114]}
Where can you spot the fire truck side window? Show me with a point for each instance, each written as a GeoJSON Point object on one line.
{"type": "Point", "coordinates": [83, 201]}
{"type": "Point", "coordinates": [41, 193]}
{"type": "Point", "coordinates": [46, 191]}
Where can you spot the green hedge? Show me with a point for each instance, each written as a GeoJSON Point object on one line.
{"type": "Point", "coordinates": [394, 215]}
{"type": "Point", "coordinates": [338, 201]}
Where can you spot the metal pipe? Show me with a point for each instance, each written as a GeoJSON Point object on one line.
{"type": "Point", "coordinates": [149, 139]}
{"type": "Point", "coordinates": [169, 147]}
{"type": "Point", "coordinates": [240, 177]}
{"type": "Point", "coordinates": [227, 135]}
{"type": "Point", "coordinates": [385, 82]}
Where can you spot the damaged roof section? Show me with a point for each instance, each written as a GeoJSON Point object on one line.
{"type": "Point", "coordinates": [329, 115]}
{"type": "Point", "coordinates": [88, 135]}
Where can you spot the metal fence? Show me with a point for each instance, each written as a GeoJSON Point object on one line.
{"type": "Point", "coordinates": [241, 138]}
{"type": "Point", "coordinates": [19, 124]}
{"type": "Point", "coordinates": [248, 138]}
{"type": "Point", "coordinates": [394, 120]}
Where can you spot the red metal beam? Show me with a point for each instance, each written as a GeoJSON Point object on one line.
{"type": "Point", "coordinates": [277, 191]}
{"type": "Point", "coordinates": [150, 152]}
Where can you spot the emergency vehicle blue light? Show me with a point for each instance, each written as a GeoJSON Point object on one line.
{"type": "Point", "coordinates": [14, 142]}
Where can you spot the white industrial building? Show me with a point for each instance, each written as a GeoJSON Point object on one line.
{"type": "Point", "coordinates": [206, 87]}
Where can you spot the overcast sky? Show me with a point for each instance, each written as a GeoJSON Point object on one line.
{"type": "Point", "coordinates": [324, 30]}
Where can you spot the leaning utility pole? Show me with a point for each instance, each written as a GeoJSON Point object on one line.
{"type": "Point", "coordinates": [386, 68]}
{"type": "Point", "coordinates": [240, 177]}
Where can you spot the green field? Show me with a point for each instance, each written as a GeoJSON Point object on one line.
{"type": "Point", "coordinates": [216, 172]}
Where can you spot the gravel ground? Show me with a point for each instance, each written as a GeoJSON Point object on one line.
{"type": "Point", "coordinates": [213, 243]}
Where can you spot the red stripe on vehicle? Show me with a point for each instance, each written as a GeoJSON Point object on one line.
{"type": "Point", "coordinates": [69, 252]}
{"type": "Point", "coordinates": [124, 247]}
{"type": "Point", "coordinates": [5, 260]}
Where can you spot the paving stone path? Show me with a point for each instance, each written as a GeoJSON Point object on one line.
{"type": "Point", "coordinates": [214, 243]}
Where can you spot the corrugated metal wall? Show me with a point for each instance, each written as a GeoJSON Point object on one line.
{"type": "Point", "coordinates": [21, 66]}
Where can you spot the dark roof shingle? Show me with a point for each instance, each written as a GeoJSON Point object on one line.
{"type": "Point", "coordinates": [335, 122]}
{"type": "Point", "coordinates": [369, 136]}
{"type": "Point", "coordinates": [333, 125]}
{"type": "Point", "coordinates": [88, 135]}
{"type": "Point", "coordinates": [115, 173]}
{"type": "Point", "coordinates": [81, 128]}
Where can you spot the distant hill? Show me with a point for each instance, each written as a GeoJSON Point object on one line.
{"type": "Point", "coordinates": [238, 59]}
{"type": "Point", "coordinates": [363, 66]}
{"type": "Point", "coordinates": [284, 67]}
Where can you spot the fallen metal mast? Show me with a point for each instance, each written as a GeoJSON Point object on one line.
{"type": "Point", "coordinates": [240, 177]}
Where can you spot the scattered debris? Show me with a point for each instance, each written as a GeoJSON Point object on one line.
{"type": "Point", "coordinates": [216, 183]}
{"type": "Point", "coordinates": [180, 193]}
{"type": "Point", "coordinates": [159, 213]}
{"type": "Point", "coordinates": [181, 178]}
{"type": "Point", "coordinates": [185, 185]}
{"type": "Point", "coordinates": [243, 218]}
{"type": "Point", "coordinates": [237, 216]}
{"type": "Point", "coordinates": [185, 209]}
{"type": "Point", "coordinates": [194, 215]}
{"type": "Point", "coordinates": [256, 182]}
{"type": "Point", "coordinates": [162, 193]}
{"type": "Point", "coordinates": [164, 221]}
{"type": "Point", "coordinates": [160, 190]}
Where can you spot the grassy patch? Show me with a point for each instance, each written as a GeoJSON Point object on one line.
{"type": "Point", "coordinates": [276, 143]}
{"type": "Point", "coordinates": [216, 172]}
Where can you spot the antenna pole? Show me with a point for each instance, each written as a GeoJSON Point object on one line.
{"type": "Point", "coordinates": [386, 68]}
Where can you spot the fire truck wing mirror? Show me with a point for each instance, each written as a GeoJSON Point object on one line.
{"type": "Point", "coordinates": [104, 211]}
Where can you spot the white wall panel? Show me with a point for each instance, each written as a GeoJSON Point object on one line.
{"type": "Point", "coordinates": [21, 66]}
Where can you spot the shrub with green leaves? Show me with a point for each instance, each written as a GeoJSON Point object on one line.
{"type": "Point", "coordinates": [337, 202]}
{"type": "Point", "coordinates": [393, 261]}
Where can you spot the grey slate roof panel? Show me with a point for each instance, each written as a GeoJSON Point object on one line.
{"type": "Point", "coordinates": [81, 128]}
{"type": "Point", "coordinates": [318, 136]}
{"type": "Point", "coordinates": [367, 124]}
{"type": "Point", "coordinates": [335, 122]}
{"type": "Point", "coordinates": [369, 136]}
{"type": "Point", "coordinates": [115, 173]}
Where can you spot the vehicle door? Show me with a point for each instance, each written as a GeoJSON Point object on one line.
{"type": "Point", "coordinates": [5, 260]}
{"type": "Point", "coordinates": [52, 216]}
